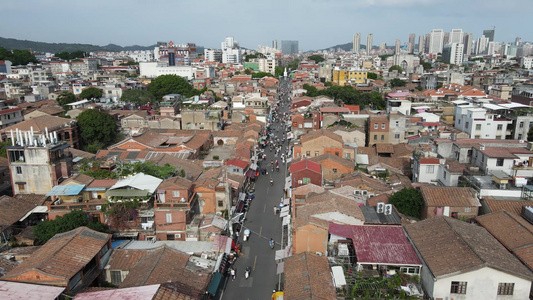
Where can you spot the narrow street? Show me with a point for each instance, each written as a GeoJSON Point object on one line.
{"type": "Point", "coordinates": [264, 224]}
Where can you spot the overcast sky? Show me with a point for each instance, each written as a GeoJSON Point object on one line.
{"type": "Point", "coordinates": [316, 24]}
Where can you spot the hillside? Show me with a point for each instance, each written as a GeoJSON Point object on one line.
{"type": "Point", "coordinates": [11, 44]}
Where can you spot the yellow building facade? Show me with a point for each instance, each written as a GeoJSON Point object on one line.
{"type": "Point", "coordinates": [341, 77]}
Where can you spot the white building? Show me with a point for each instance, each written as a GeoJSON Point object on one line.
{"type": "Point", "coordinates": [231, 52]}
{"type": "Point", "coordinates": [478, 122]}
{"type": "Point", "coordinates": [155, 69]}
{"type": "Point", "coordinates": [453, 53]}
{"type": "Point", "coordinates": [481, 45]}
{"type": "Point", "coordinates": [267, 65]}
{"type": "Point", "coordinates": [456, 36]}
{"type": "Point", "coordinates": [436, 40]}
{"type": "Point", "coordinates": [470, 271]}
{"type": "Point", "coordinates": [141, 55]}
{"type": "Point", "coordinates": [527, 62]}
{"type": "Point", "coordinates": [426, 169]}
{"type": "Point", "coordinates": [369, 38]}
{"type": "Point", "coordinates": [356, 47]}
{"type": "Point", "coordinates": [213, 55]}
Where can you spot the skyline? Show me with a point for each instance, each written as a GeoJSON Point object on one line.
{"type": "Point", "coordinates": [311, 23]}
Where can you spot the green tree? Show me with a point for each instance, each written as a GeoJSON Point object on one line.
{"type": "Point", "coordinates": [529, 135]}
{"type": "Point", "coordinates": [261, 75]}
{"type": "Point", "coordinates": [170, 84]}
{"type": "Point", "coordinates": [17, 57]}
{"type": "Point", "coordinates": [278, 71]}
{"type": "Point", "coordinates": [408, 202]}
{"type": "Point", "coordinates": [101, 174]}
{"type": "Point", "coordinates": [316, 58]}
{"type": "Point", "coordinates": [65, 98]}
{"type": "Point", "coordinates": [397, 82]}
{"type": "Point", "coordinates": [426, 65]}
{"type": "Point", "coordinates": [248, 71]}
{"type": "Point", "coordinates": [396, 67]}
{"type": "Point", "coordinates": [91, 93]}
{"type": "Point", "coordinates": [47, 229]}
{"type": "Point", "coordinates": [3, 145]}
{"type": "Point", "coordinates": [311, 90]}
{"type": "Point", "coordinates": [96, 128]}
{"type": "Point", "coordinates": [371, 75]}
{"type": "Point", "coordinates": [137, 97]}
{"type": "Point", "coordinates": [294, 64]}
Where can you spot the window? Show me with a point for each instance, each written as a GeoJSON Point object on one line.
{"type": "Point", "coordinates": [220, 203]}
{"type": "Point", "coordinates": [382, 125]}
{"type": "Point", "coordinates": [477, 136]}
{"type": "Point", "coordinates": [19, 170]}
{"type": "Point", "coordinates": [519, 136]}
{"type": "Point", "coordinates": [500, 127]}
{"type": "Point", "coordinates": [468, 209]}
{"type": "Point", "coordinates": [21, 187]}
{"type": "Point", "coordinates": [397, 136]}
{"type": "Point", "coordinates": [308, 153]}
{"type": "Point", "coordinates": [466, 125]}
{"type": "Point", "coordinates": [382, 137]}
{"type": "Point", "coordinates": [168, 218]}
{"type": "Point", "coordinates": [498, 137]}
{"type": "Point", "coordinates": [347, 155]}
{"type": "Point", "coordinates": [478, 126]}
{"type": "Point", "coordinates": [521, 125]}
{"type": "Point", "coordinates": [430, 169]}
{"type": "Point", "coordinates": [170, 237]}
{"type": "Point", "coordinates": [336, 153]}
{"type": "Point", "coordinates": [375, 125]}
{"type": "Point", "coordinates": [334, 170]}
{"type": "Point", "coordinates": [317, 153]}
{"type": "Point", "coordinates": [499, 162]}
{"type": "Point", "coordinates": [175, 193]}
{"type": "Point", "coordinates": [67, 136]}
{"type": "Point", "coordinates": [445, 174]}
{"type": "Point", "coordinates": [116, 277]}
{"type": "Point", "coordinates": [375, 137]}
{"type": "Point", "coordinates": [505, 288]}
{"type": "Point", "coordinates": [306, 180]}
{"type": "Point", "coordinates": [458, 287]}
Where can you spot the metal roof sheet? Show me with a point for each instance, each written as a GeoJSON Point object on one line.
{"type": "Point", "coordinates": [66, 190]}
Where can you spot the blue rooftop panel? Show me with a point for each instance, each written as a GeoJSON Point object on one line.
{"type": "Point", "coordinates": [65, 190]}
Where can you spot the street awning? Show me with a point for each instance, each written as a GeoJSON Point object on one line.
{"type": "Point", "coordinates": [338, 276]}
{"type": "Point", "coordinates": [36, 209]}
{"type": "Point", "coordinates": [286, 201]}
{"type": "Point", "coordinates": [215, 283]}
{"type": "Point", "coordinates": [250, 174]}
{"type": "Point", "coordinates": [281, 268]}
{"type": "Point", "coordinates": [286, 220]}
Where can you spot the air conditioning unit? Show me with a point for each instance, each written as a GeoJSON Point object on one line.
{"type": "Point", "coordinates": [177, 236]}
{"type": "Point", "coordinates": [388, 209]}
{"type": "Point", "coordinates": [356, 192]}
{"type": "Point", "coordinates": [98, 207]}
{"type": "Point", "coordinates": [300, 182]}
{"type": "Point", "coordinates": [380, 207]}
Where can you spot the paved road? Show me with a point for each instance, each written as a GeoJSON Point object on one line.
{"type": "Point", "coordinates": [264, 225]}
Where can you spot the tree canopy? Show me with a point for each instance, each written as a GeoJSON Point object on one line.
{"type": "Point", "coordinates": [47, 229]}
{"type": "Point", "coordinates": [65, 98]}
{"type": "Point", "coordinates": [349, 95]}
{"type": "Point", "coordinates": [252, 56]}
{"type": "Point", "coordinates": [371, 75]}
{"type": "Point", "coordinates": [278, 71]}
{"type": "Point", "coordinates": [530, 134]}
{"type": "Point", "coordinates": [408, 202]}
{"type": "Point", "coordinates": [91, 93]}
{"type": "Point", "coordinates": [261, 75]}
{"type": "Point", "coordinates": [137, 97]}
{"type": "Point", "coordinates": [71, 55]}
{"type": "Point", "coordinates": [397, 82]}
{"type": "Point", "coordinates": [97, 129]}
{"type": "Point", "coordinates": [171, 84]}
{"type": "Point", "coordinates": [396, 67]}
{"type": "Point", "coordinates": [17, 57]}
{"type": "Point", "coordinates": [294, 64]}
{"type": "Point", "coordinates": [316, 58]}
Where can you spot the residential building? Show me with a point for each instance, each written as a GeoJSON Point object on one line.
{"type": "Point", "coordinates": [349, 76]}
{"type": "Point", "coordinates": [378, 130]}
{"type": "Point", "coordinates": [356, 43]}
{"type": "Point", "coordinates": [436, 41]}
{"type": "Point", "coordinates": [467, 42]}
{"type": "Point", "coordinates": [426, 169]}
{"type": "Point", "coordinates": [231, 52]}
{"type": "Point", "coordinates": [369, 38]}
{"type": "Point", "coordinates": [456, 36]}
{"type": "Point", "coordinates": [453, 54]}
{"type": "Point", "coordinates": [320, 142]}
{"type": "Point", "coordinates": [155, 69]}
{"type": "Point", "coordinates": [479, 122]}
{"type": "Point", "coordinates": [489, 33]}
{"type": "Point", "coordinates": [469, 271]}
{"type": "Point", "coordinates": [176, 55]}
{"type": "Point", "coordinates": [304, 172]}
{"type": "Point", "coordinates": [397, 46]}
{"type": "Point", "coordinates": [73, 260]}
{"type": "Point", "coordinates": [421, 43]}
{"type": "Point", "coordinates": [527, 62]}
{"type": "Point", "coordinates": [10, 116]}
{"type": "Point", "coordinates": [411, 49]}
{"type": "Point", "coordinates": [481, 45]}
{"type": "Point", "coordinates": [308, 276]}
{"type": "Point", "coordinates": [213, 55]}
{"type": "Point", "coordinates": [457, 202]}
{"type": "Point", "coordinates": [289, 47]}
{"type": "Point", "coordinates": [5, 67]}
{"type": "Point", "coordinates": [333, 167]}
{"type": "Point", "coordinates": [17, 290]}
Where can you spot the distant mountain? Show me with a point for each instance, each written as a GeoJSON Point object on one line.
{"type": "Point", "coordinates": [11, 44]}
{"type": "Point", "coordinates": [349, 46]}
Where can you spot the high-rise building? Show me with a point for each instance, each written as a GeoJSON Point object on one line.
{"type": "Point", "coordinates": [494, 47]}
{"type": "Point", "coordinates": [289, 47]}
{"type": "Point", "coordinates": [456, 36]}
{"type": "Point", "coordinates": [446, 39]}
{"type": "Point", "coordinates": [453, 54]}
{"type": "Point", "coordinates": [397, 46]}
{"type": "Point", "coordinates": [356, 43]}
{"type": "Point", "coordinates": [518, 41]}
{"type": "Point", "coordinates": [489, 33]}
{"type": "Point", "coordinates": [213, 55]}
{"type": "Point", "coordinates": [421, 44]}
{"type": "Point", "coordinates": [436, 40]}
{"type": "Point", "coordinates": [426, 44]}
{"type": "Point", "coordinates": [411, 48]}
{"type": "Point", "coordinates": [369, 43]}
{"type": "Point", "coordinates": [231, 52]}
{"type": "Point", "coordinates": [467, 42]}
{"type": "Point", "coordinates": [382, 46]}
{"type": "Point", "coordinates": [481, 45]}
{"type": "Point", "coordinates": [275, 44]}
{"type": "Point", "coordinates": [176, 55]}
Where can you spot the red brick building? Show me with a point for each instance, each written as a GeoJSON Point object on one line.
{"type": "Point", "coordinates": [304, 172]}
